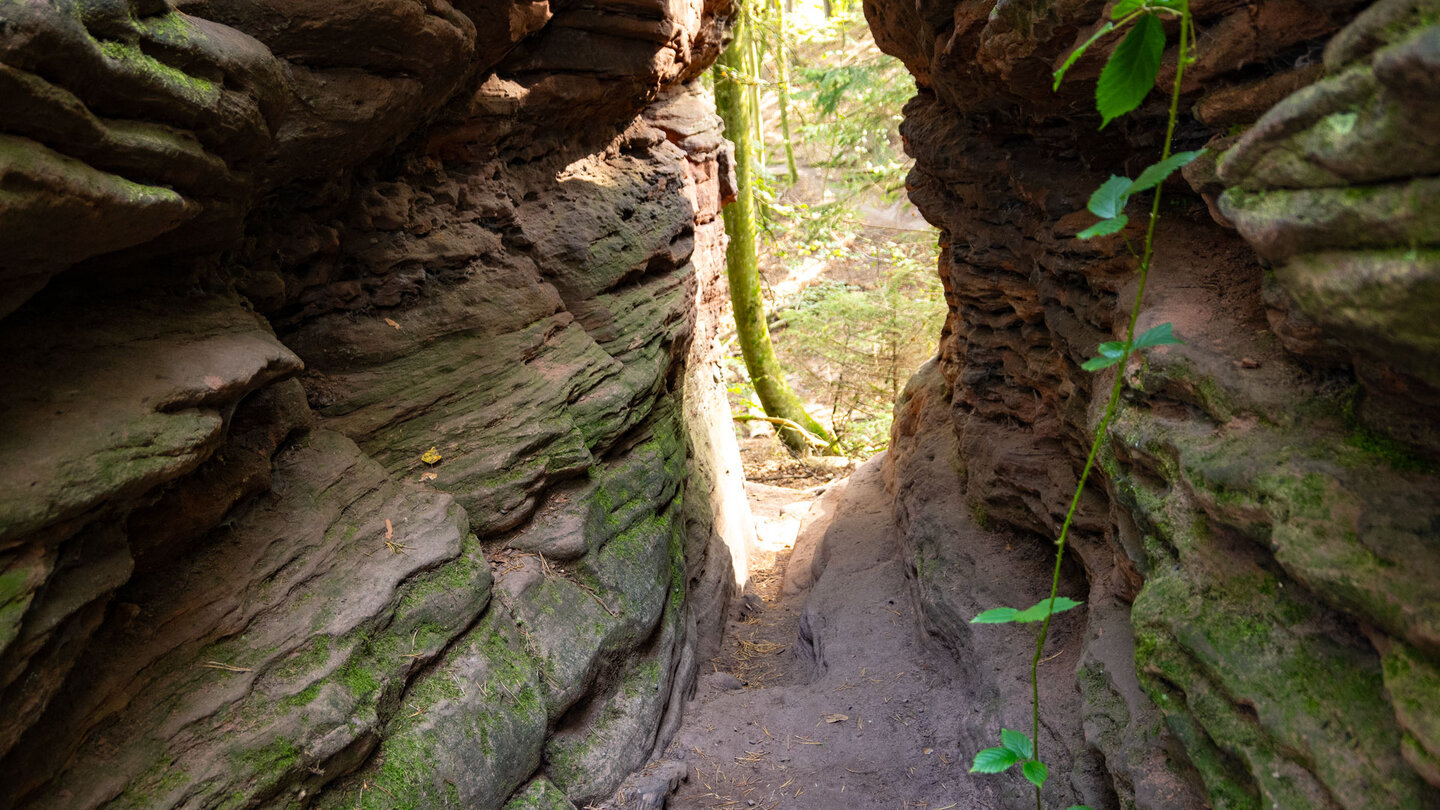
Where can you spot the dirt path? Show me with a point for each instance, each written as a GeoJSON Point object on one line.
{"type": "Point", "coordinates": [827, 697]}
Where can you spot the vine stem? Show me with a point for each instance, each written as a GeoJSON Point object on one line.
{"type": "Point", "coordinates": [1113, 404]}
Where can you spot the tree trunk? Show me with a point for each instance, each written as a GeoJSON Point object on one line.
{"type": "Point", "coordinates": [782, 75]}
{"type": "Point", "coordinates": [754, 46]}
{"type": "Point", "coordinates": [741, 266]}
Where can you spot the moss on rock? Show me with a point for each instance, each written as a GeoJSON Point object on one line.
{"type": "Point", "coordinates": [540, 794]}
{"type": "Point", "coordinates": [1413, 682]}
{"type": "Point", "coordinates": [471, 728]}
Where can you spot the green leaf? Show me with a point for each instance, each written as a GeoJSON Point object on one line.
{"type": "Point", "coordinates": [1125, 7]}
{"type": "Point", "coordinates": [1131, 70]}
{"type": "Point", "coordinates": [1104, 227]}
{"type": "Point", "coordinates": [1110, 354]}
{"type": "Point", "coordinates": [1001, 615]}
{"type": "Point", "coordinates": [1109, 199]}
{"type": "Point", "coordinates": [1162, 335]}
{"type": "Point", "coordinates": [1035, 771]}
{"type": "Point", "coordinates": [1039, 610]}
{"type": "Point", "coordinates": [993, 760]}
{"type": "Point", "coordinates": [1155, 174]}
{"type": "Point", "coordinates": [1080, 51]}
{"type": "Point", "coordinates": [1079, 807]}
{"type": "Point", "coordinates": [1097, 363]}
{"type": "Point", "coordinates": [1017, 742]}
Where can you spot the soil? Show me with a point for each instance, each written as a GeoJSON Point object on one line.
{"type": "Point", "coordinates": [827, 693]}
{"type": "Point", "coordinates": [766, 461]}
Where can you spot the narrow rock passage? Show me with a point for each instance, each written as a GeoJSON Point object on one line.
{"type": "Point", "coordinates": [844, 703]}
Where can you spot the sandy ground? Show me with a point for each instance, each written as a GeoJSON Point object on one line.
{"type": "Point", "coordinates": [827, 694]}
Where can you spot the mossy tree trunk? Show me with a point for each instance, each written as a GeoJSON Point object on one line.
{"type": "Point", "coordinates": [782, 78]}
{"type": "Point", "coordinates": [754, 48]}
{"type": "Point", "coordinates": [741, 266]}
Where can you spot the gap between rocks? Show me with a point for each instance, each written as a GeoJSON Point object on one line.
{"type": "Point", "coordinates": [827, 692]}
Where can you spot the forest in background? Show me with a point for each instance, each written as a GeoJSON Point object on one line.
{"type": "Point", "coordinates": [847, 265]}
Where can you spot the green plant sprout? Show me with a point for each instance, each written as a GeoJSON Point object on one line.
{"type": "Point", "coordinates": [1130, 72]}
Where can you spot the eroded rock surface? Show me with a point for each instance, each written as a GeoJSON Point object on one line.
{"type": "Point", "coordinates": [257, 260]}
{"type": "Point", "coordinates": [1259, 541]}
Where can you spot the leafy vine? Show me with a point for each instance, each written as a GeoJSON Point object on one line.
{"type": "Point", "coordinates": [1129, 74]}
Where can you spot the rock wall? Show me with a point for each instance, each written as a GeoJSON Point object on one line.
{"type": "Point", "coordinates": [1258, 549]}
{"type": "Point", "coordinates": [357, 357]}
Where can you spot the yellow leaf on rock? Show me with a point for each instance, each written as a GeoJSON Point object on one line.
{"type": "Point", "coordinates": [431, 456]}
{"type": "Point", "coordinates": [392, 323]}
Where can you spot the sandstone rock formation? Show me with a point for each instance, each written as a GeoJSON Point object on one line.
{"type": "Point", "coordinates": [1259, 548]}
{"type": "Point", "coordinates": [362, 444]}
{"type": "Point", "coordinates": [257, 259]}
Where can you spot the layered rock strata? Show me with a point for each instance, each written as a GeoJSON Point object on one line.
{"type": "Point", "coordinates": [359, 444]}
{"type": "Point", "coordinates": [1259, 542]}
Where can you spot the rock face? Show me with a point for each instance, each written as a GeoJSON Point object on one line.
{"type": "Point", "coordinates": [359, 445]}
{"type": "Point", "coordinates": [1259, 542]}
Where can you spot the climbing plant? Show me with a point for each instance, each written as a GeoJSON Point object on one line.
{"type": "Point", "coordinates": [1128, 76]}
